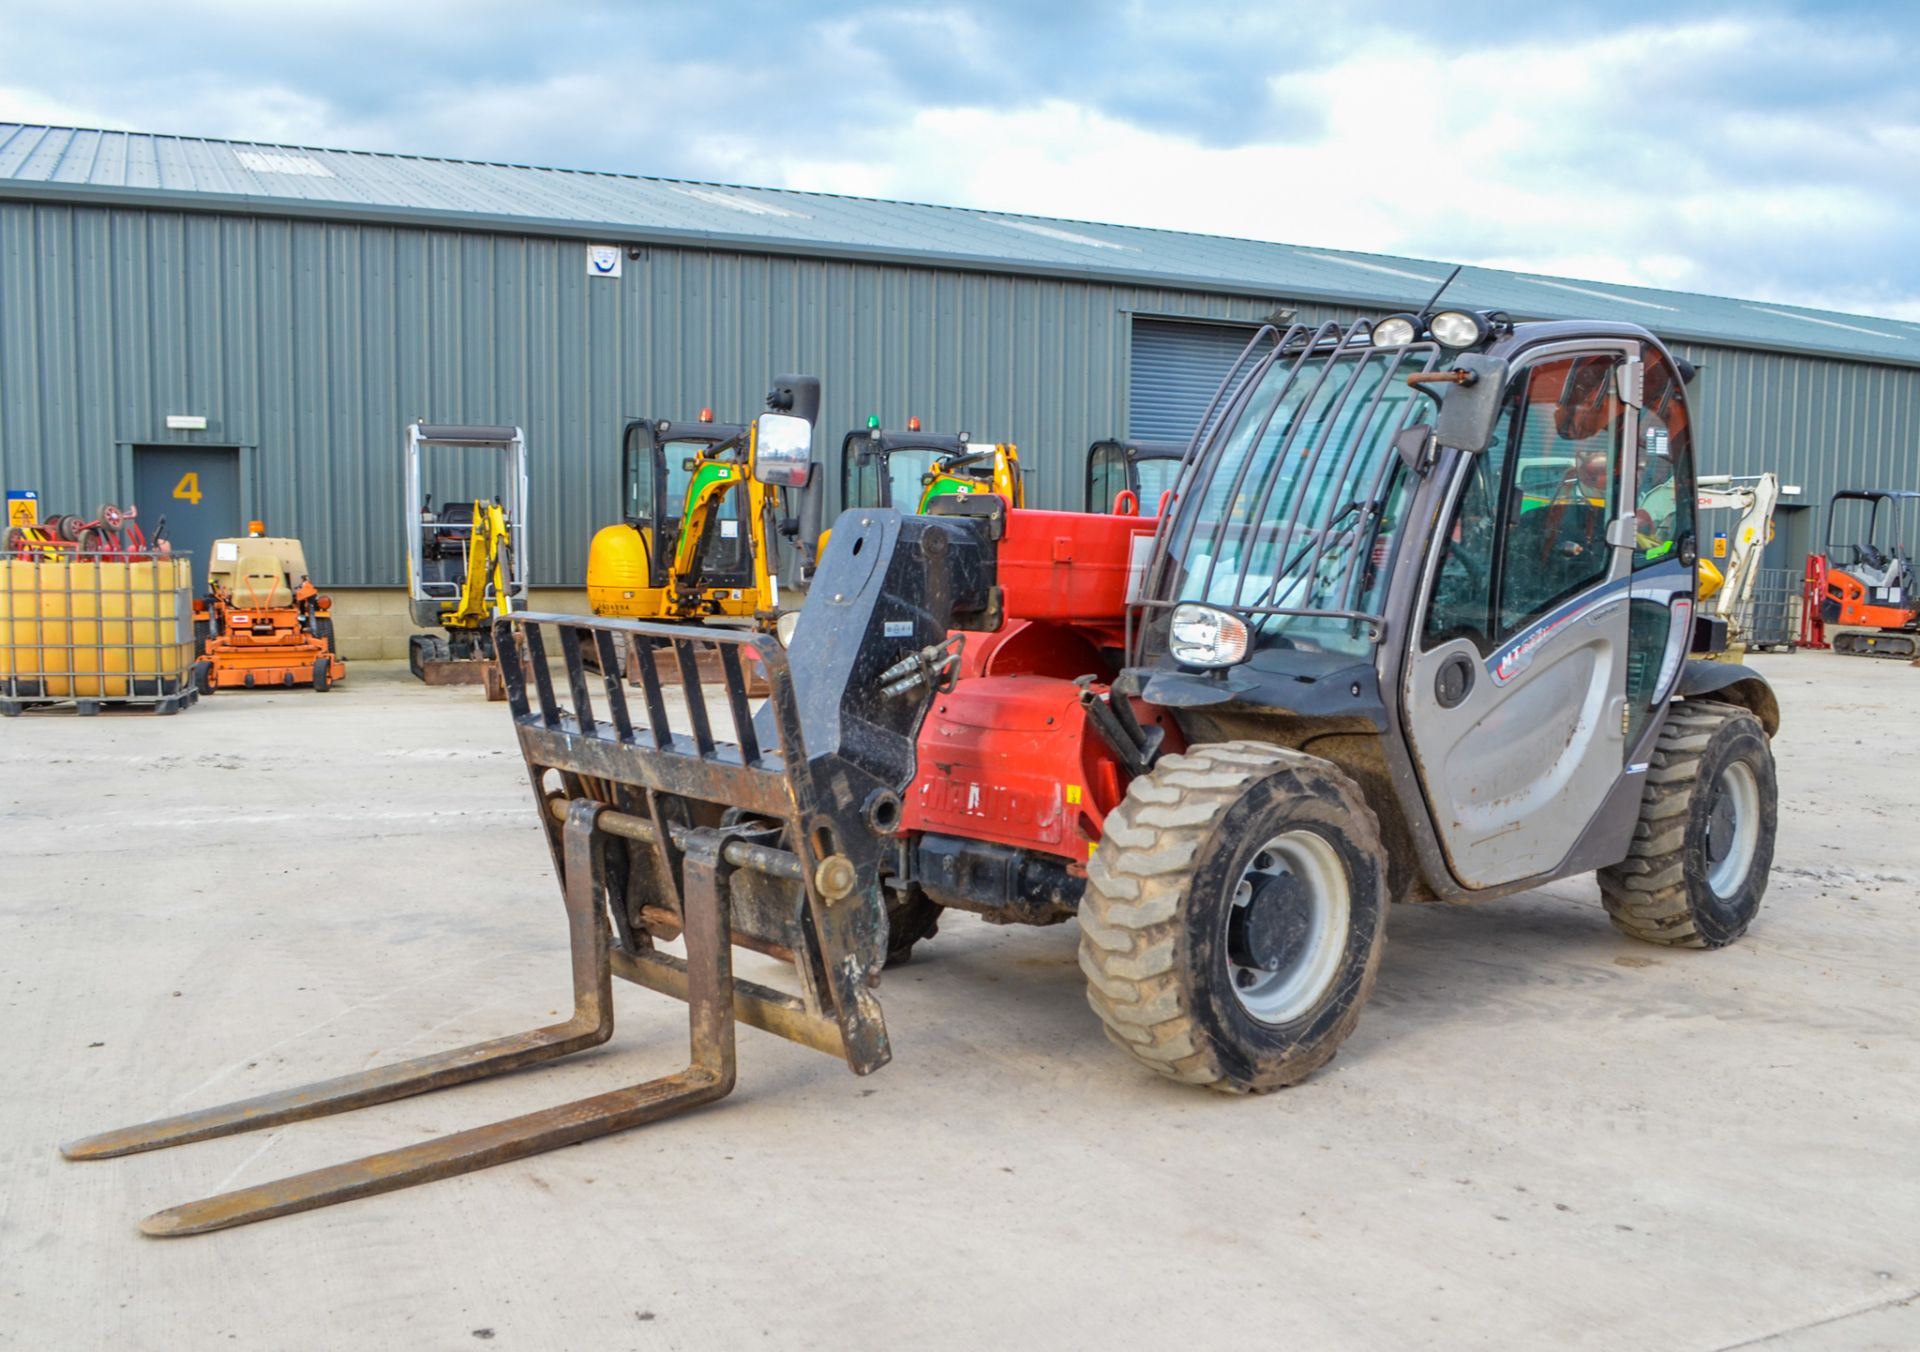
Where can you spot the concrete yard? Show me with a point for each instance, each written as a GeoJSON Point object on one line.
{"type": "Point", "coordinates": [1542, 1135]}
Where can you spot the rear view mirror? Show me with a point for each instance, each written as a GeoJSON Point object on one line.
{"type": "Point", "coordinates": [782, 450]}
{"type": "Point", "coordinates": [1469, 410]}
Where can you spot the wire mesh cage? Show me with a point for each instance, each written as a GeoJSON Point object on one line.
{"type": "Point", "coordinates": [92, 632]}
{"type": "Point", "coordinates": [1768, 617]}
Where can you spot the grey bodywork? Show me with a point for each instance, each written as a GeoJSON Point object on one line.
{"type": "Point", "coordinates": [1500, 793]}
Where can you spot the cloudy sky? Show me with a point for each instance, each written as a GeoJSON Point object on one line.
{"type": "Point", "coordinates": [1762, 150]}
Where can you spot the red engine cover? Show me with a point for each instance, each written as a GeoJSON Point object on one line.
{"type": "Point", "coordinates": [1071, 566]}
{"type": "Point", "coordinates": [1011, 759]}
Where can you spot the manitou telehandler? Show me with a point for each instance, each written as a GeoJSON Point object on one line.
{"type": "Point", "coordinates": [466, 560]}
{"type": "Point", "coordinates": [701, 535]}
{"type": "Point", "coordinates": [1343, 667]}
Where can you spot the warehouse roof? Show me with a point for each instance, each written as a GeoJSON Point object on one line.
{"type": "Point", "coordinates": [195, 173]}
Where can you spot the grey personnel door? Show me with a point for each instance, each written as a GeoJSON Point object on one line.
{"type": "Point", "coordinates": [1515, 698]}
{"type": "Point", "coordinates": [197, 490]}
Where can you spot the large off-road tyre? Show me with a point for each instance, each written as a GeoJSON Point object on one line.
{"type": "Point", "coordinates": [911, 917]}
{"type": "Point", "coordinates": [1234, 916]}
{"type": "Point", "coordinates": [1703, 847]}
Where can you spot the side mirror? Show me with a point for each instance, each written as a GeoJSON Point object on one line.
{"type": "Point", "coordinates": [1469, 410]}
{"type": "Point", "coordinates": [782, 450]}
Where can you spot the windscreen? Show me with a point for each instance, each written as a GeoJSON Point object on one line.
{"type": "Point", "coordinates": [905, 471]}
{"type": "Point", "coordinates": [1295, 506]}
{"type": "Point", "coordinates": [680, 457]}
{"type": "Point", "coordinates": [1157, 477]}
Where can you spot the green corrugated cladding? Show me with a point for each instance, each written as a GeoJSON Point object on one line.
{"type": "Point", "coordinates": [312, 344]}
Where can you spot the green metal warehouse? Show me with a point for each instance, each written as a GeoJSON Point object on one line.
{"type": "Point", "coordinates": [271, 316]}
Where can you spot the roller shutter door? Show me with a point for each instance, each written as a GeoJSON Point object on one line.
{"type": "Point", "coordinates": [1176, 369]}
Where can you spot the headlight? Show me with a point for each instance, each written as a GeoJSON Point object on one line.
{"type": "Point", "coordinates": [1395, 331]}
{"type": "Point", "coordinates": [1204, 637]}
{"type": "Point", "coordinates": [1456, 328]}
{"type": "Point", "coordinates": [784, 626]}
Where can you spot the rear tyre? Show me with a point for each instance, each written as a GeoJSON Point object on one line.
{"type": "Point", "coordinates": [913, 917]}
{"type": "Point", "coordinates": [202, 676]}
{"type": "Point", "coordinates": [323, 630]}
{"type": "Point", "coordinates": [1235, 915]}
{"type": "Point", "coordinates": [1703, 847]}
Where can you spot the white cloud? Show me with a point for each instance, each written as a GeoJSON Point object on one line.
{"type": "Point", "coordinates": [1514, 156]}
{"type": "Point", "coordinates": [1747, 154]}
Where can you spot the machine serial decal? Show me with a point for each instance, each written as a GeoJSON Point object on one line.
{"type": "Point", "coordinates": [1518, 655]}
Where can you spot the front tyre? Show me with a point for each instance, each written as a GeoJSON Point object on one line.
{"type": "Point", "coordinates": [1234, 916]}
{"type": "Point", "coordinates": [1703, 847]}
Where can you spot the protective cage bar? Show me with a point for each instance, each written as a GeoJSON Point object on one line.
{"type": "Point", "coordinates": [1327, 395]}
{"type": "Point", "coordinates": [621, 785]}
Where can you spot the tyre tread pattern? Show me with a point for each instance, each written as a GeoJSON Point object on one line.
{"type": "Point", "coordinates": [1131, 917]}
{"type": "Point", "coordinates": [1646, 893]}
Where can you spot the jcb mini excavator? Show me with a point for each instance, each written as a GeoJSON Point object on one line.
{"type": "Point", "coordinates": [701, 535]}
{"type": "Point", "coordinates": [1865, 584]}
{"type": "Point", "coordinates": [1342, 668]}
{"type": "Point", "coordinates": [466, 560]}
{"type": "Point", "coordinates": [909, 471]}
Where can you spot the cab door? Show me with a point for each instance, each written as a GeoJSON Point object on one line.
{"type": "Point", "coordinates": [1515, 697]}
{"type": "Point", "coordinates": [643, 474]}
{"type": "Point", "coordinates": [1106, 475]}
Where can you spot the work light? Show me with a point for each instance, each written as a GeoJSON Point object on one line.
{"type": "Point", "coordinates": [1457, 328]}
{"type": "Point", "coordinates": [1204, 637]}
{"type": "Point", "coordinates": [1395, 331]}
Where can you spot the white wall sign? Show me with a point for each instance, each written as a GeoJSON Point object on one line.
{"type": "Point", "coordinates": [603, 260]}
{"type": "Point", "coordinates": [186, 422]}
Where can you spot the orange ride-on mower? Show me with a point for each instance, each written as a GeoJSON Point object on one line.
{"type": "Point", "coordinates": [263, 624]}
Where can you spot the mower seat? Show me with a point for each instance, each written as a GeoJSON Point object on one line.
{"type": "Point", "coordinates": [259, 582]}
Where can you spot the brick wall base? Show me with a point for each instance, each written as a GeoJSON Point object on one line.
{"type": "Point", "coordinates": [372, 622]}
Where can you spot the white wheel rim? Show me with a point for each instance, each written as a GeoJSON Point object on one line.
{"type": "Point", "coordinates": [1308, 861]}
{"type": "Point", "coordinates": [1740, 791]}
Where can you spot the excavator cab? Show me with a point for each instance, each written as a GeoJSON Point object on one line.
{"type": "Point", "coordinates": [908, 471]}
{"type": "Point", "coordinates": [466, 558]}
{"type": "Point", "coordinates": [1131, 476]}
{"type": "Point", "coordinates": [702, 533]}
{"type": "Point", "coordinates": [631, 566]}
{"type": "Point", "coordinates": [1863, 582]}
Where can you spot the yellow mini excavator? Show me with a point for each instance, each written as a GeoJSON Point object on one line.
{"type": "Point", "coordinates": [909, 471]}
{"type": "Point", "coordinates": [466, 560]}
{"type": "Point", "coordinates": [701, 530]}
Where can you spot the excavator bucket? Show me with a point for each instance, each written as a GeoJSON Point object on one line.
{"type": "Point", "coordinates": [675, 810]}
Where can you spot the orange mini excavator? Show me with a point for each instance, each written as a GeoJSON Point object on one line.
{"type": "Point", "coordinates": [263, 623]}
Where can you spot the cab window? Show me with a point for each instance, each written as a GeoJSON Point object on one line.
{"type": "Point", "coordinates": [637, 462]}
{"type": "Point", "coordinates": [1106, 477]}
{"type": "Point", "coordinates": [1529, 531]}
{"type": "Point", "coordinates": [1663, 512]}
